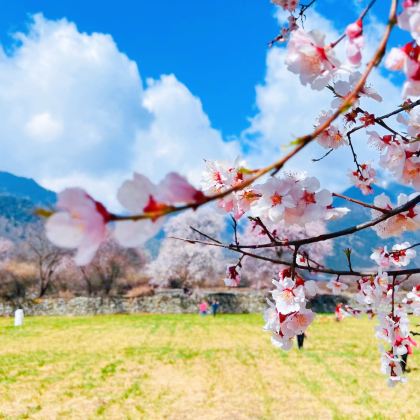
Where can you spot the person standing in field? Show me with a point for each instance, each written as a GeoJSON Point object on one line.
{"type": "Point", "coordinates": [300, 338]}
{"type": "Point", "coordinates": [203, 306]}
{"type": "Point", "coordinates": [214, 307]}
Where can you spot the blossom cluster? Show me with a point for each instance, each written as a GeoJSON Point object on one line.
{"type": "Point", "coordinates": [296, 199]}
{"type": "Point", "coordinates": [377, 296]}
{"type": "Point", "coordinates": [400, 255]}
{"type": "Point", "coordinates": [287, 315]}
{"type": "Point", "coordinates": [394, 226]}
{"type": "Point", "coordinates": [394, 330]}
{"type": "Point", "coordinates": [287, 200]}
{"type": "Point", "coordinates": [412, 300]}
{"type": "Point", "coordinates": [82, 223]}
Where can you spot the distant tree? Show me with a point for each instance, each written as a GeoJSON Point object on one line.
{"type": "Point", "coordinates": [180, 264]}
{"type": "Point", "coordinates": [259, 273]}
{"type": "Point", "coordinates": [111, 264]}
{"type": "Point", "coordinates": [47, 258]}
{"type": "Point", "coordinates": [17, 279]}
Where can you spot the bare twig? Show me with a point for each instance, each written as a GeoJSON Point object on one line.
{"type": "Point", "coordinates": [360, 203]}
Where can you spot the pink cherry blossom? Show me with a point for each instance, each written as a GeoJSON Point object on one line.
{"type": "Point", "coordinates": [289, 5]}
{"type": "Point", "coordinates": [307, 56]}
{"type": "Point", "coordinates": [174, 188]}
{"type": "Point", "coordinates": [343, 88]}
{"type": "Point", "coordinates": [219, 177]}
{"type": "Point", "coordinates": [215, 178]}
{"type": "Point", "coordinates": [233, 277]}
{"type": "Point", "coordinates": [354, 33]}
{"type": "Point", "coordinates": [364, 178]}
{"type": "Point", "coordinates": [395, 59]}
{"type": "Point", "coordinates": [394, 226]}
{"type": "Point", "coordinates": [407, 58]}
{"type": "Point", "coordinates": [402, 159]}
{"type": "Point", "coordinates": [288, 316]}
{"type": "Point", "coordinates": [274, 198]}
{"type": "Point", "coordinates": [340, 312]}
{"type": "Point", "coordinates": [287, 296]}
{"type": "Point", "coordinates": [80, 223]}
{"type": "Point", "coordinates": [400, 255]}
{"type": "Point", "coordinates": [136, 195]}
{"type": "Point", "coordinates": [391, 366]}
{"type": "Point", "coordinates": [311, 202]}
{"type": "Point", "coordinates": [298, 322]}
{"type": "Point", "coordinates": [140, 195]}
{"type": "Point", "coordinates": [332, 137]}
{"type": "Point", "coordinates": [336, 287]}
{"type": "Point", "coordinates": [409, 19]}
{"type": "Point", "coordinates": [381, 257]}
{"type": "Point", "coordinates": [282, 342]}
{"type": "Point", "coordinates": [412, 300]}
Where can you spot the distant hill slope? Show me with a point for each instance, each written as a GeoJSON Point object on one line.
{"type": "Point", "coordinates": [19, 196]}
{"type": "Point", "coordinates": [364, 241]}
{"type": "Point", "coordinates": [25, 188]}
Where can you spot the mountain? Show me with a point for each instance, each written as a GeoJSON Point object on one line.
{"type": "Point", "coordinates": [20, 187]}
{"type": "Point", "coordinates": [362, 243]}
{"type": "Point", "coordinates": [19, 197]}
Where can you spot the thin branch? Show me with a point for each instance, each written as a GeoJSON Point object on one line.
{"type": "Point", "coordinates": [294, 262]}
{"type": "Point", "coordinates": [324, 270]}
{"type": "Point", "coordinates": [263, 227]}
{"type": "Point", "coordinates": [361, 17]}
{"type": "Point", "coordinates": [380, 119]}
{"type": "Point", "coordinates": [205, 235]}
{"type": "Point", "coordinates": [361, 203]}
{"type": "Point", "coordinates": [300, 142]}
{"type": "Point", "coordinates": [343, 232]}
{"type": "Point", "coordinates": [323, 156]}
{"type": "Point", "coordinates": [235, 230]}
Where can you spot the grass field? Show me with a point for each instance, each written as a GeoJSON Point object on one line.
{"type": "Point", "coordinates": [187, 367]}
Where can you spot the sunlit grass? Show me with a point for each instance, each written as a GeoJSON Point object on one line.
{"type": "Point", "coordinates": [187, 367]}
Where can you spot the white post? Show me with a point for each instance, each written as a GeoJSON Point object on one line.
{"type": "Point", "coordinates": [18, 317]}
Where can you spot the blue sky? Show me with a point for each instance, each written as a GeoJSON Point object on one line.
{"type": "Point", "coordinates": [216, 47]}
{"type": "Point", "coordinates": [156, 86]}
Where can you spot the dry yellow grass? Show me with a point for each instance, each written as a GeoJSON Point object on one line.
{"type": "Point", "coordinates": [186, 367]}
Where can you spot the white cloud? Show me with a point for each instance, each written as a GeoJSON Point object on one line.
{"type": "Point", "coordinates": [69, 102]}
{"type": "Point", "coordinates": [74, 112]}
{"type": "Point", "coordinates": [180, 136]}
{"type": "Point", "coordinates": [287, 109]}
{"type": "Point", "coordinates": [43, 127]}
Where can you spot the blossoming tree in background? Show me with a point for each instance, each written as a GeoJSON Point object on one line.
{"type": "Point", "coordinates": [278, 203]}
{"type": "Point", "coordinates": [189, 265]}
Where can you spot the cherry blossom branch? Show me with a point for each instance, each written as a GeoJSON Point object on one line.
{"type": "Point", "coordinates": [379, 120]}
{"type": "Point", "coordinates": [323, 270]}
{"type": "Point", "coordinates": [263, 227]}
{"type": "Point", "coordinates": [361, 17]}
{"type": "Point", "coordinates": [294, 262]}
{"type": "Point", "coordinates": [206, 236]}
{"type": "Point", "coordinates": [235, 230]}
{"type": "Point", "coordinates": [358, 168]}
{"type": "Point", "coordinates": [360, 203]}
{"type": "Point", "coordinates": [301, 15]}
{"type": "Point", "coordinates": [343, 232]}
{"type": "Point", "coordinates": [323, 156]}
{"type": "Point", "coordinates": [406, 249]}
{"type": "Point", "coordinates": [300, 142]}
{"type": "Point", "coordinates": [347, 252]}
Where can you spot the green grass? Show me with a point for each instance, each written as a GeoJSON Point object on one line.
{"type": "Point", "coordinates": [187, 367]}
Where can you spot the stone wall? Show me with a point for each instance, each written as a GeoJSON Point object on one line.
{"type": "Point", "coordinates": [165, 301]}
